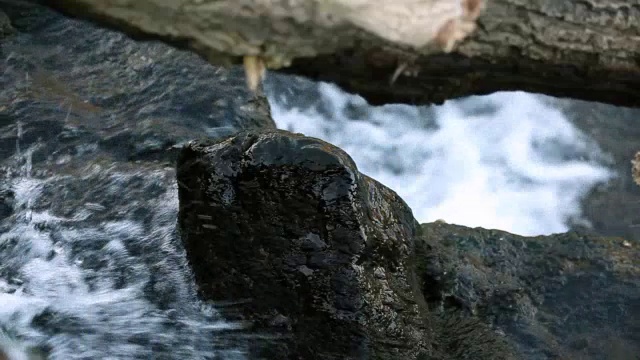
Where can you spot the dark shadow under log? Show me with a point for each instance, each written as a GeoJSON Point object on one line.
{"type": "Point", "coordinates": [443, 77]}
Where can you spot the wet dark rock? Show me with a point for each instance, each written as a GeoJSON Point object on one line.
{"type": "Point", "coordinates": [94, 93]}
{"type": "Point", "coordinates": [565, 296]}
{"type": "Point", "coordinates": [322, 251]}
{"type": "Point", "coordinates": [333, 265]}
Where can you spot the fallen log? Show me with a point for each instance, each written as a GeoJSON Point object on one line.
{"type": "Point", "coordinates": [588, 50]}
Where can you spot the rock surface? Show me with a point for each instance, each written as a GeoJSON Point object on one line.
{"type": "Point", "coordinates": [320, 252]}
{"type": "Point", "coordinates": [6, 29]}
{"type": "Point", "coordinates": [565, 296]}
{"type": "Point", "coordinates": [332, 264]}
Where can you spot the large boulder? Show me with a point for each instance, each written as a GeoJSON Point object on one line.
{"type": "Point", "coordinates": [326, 263]}
{"type": "Point", "coordinates": [564, 296]}
{"type": "Point", "coordinates": [320, 253]}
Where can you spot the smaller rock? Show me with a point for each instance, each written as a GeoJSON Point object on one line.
{"type": "Point", "coordinates": [312, 242]}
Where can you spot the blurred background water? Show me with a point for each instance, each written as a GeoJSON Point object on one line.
{"type": "Point", "coordinates": [506, 161]}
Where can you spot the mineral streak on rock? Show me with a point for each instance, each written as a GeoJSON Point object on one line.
{"type": "Point", "coordinates": [322, 251]}
{"type": "Point", "coordinates": [335, 267]}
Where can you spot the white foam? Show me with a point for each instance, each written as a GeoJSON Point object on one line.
{"type": "Point", "coordinates": [506, 161]}
{"type": "Point", "coordinates": [94, 293]}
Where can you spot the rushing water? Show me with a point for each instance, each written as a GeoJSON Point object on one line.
{"type": "Point", "coordinates": [507, 161]}
{"type": "Point", "coordinates": [114, 288]}
{"type": "Point", "coordinates": [91, 266]}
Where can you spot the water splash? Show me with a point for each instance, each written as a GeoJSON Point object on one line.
{"type": "Point", "coordinates": [119, 288]}
{"type": "Point", "coordinates": [507, 161]}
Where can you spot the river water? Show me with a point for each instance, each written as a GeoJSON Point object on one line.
{"type": "Point", "coordinates": [508, 161]}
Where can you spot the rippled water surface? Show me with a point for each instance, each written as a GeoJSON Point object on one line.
{"type": "Point", "coordinates": [91, 266]}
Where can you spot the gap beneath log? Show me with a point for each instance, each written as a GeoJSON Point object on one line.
{"type": "Point", "coordinates": [446, 76]}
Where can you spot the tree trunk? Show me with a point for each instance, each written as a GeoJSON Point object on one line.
{"type": "Point", "coordinates": [585, 49]}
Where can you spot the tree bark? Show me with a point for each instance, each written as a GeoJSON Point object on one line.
{"type": "Point", "coordinates": [585, 49]}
